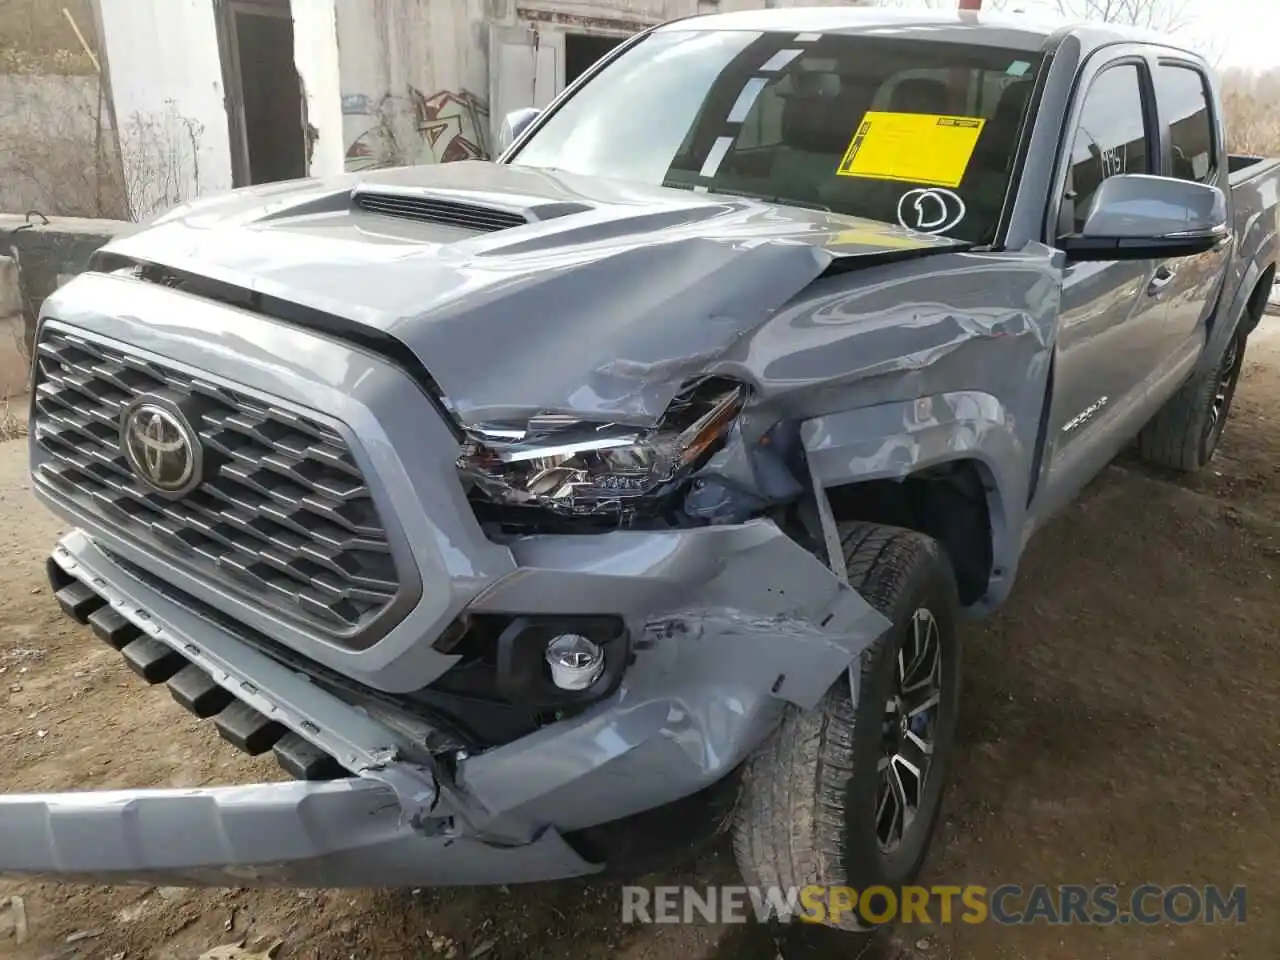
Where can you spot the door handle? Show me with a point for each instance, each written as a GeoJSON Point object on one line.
{"type": "Point", "coordinates": [1163, 275]}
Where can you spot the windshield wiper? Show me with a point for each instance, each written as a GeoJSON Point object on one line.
{"type": "Point", "coordinates": [785, 201]}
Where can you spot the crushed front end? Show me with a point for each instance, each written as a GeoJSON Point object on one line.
{"type": "Point", "coordinates": [471, 645]}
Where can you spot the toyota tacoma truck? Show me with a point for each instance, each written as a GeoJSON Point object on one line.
{"type": "Point", "coordinates": [638, 481]}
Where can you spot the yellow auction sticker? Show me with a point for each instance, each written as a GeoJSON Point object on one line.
{"type": "Point", "coordinates": [864, 237]}
{"type": "Point", "coordinates": [912, 147]}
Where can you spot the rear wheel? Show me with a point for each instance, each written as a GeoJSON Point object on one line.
{"type": "Point", "coordinates": [848, 794]}
{"type": "Point", "coordinates": [1185, 434]}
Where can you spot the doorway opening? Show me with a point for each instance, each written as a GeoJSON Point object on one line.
{"type": "Point", "coordinates": [581, 50]}
{"type": "Point", "coordinates": [267, 115]}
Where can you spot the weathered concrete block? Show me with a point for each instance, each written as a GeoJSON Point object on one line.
{"type": "Point", "coordinates": [47, 253]}
{"type": "Point", "coordinates": [15, 368]}
{"type": "Point", "coordinates": [10, 292]}
{"type": "Point", "coordinates": [35, 259]}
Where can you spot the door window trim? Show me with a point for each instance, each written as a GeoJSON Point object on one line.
{"type": "Point", "coordinates": [1107, 59]}
{"type": "Point", "coordinates": [1166, 131]}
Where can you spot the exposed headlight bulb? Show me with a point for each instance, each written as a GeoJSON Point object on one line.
{"type": "Point", "coordinates": [576, 663]}
{"type": "Point", "coordinates": [580, 467]}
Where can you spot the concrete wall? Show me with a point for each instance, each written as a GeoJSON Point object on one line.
{"type": "Point", "coordinates": [56, 146]}
{"type": "Point", "coordinates": [166, 81]}
{"type": "Point", "coordinates": [315, 54]}
{"type": "Point", "coordinates": [413, 81]}
{"type": "Point", "coordinates": [57, 152]}
{"type": "Point", "coordinates": [13, 354]}
{"type": "Point", "coordinates": [34, 261]}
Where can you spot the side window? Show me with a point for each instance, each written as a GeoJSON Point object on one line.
{"type": "Point", "coordinates": [1184, 108]}
{"type": "Point", "coordinates": [1111, 138]}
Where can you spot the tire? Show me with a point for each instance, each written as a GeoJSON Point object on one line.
{"type": "Point", "coordinates": [808, 810]}
{"type": "Point", "coordinates": [1185, 434]}
{"type": "Point", "coordinates": [665, 838]}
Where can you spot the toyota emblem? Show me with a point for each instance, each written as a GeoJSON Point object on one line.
{"type": "Point", "coordinates": [161, 447]}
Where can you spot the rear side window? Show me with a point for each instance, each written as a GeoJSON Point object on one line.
{"type": "Point", "coordinates": [1111, 138]}
{"type": "Point", "coordinates": [1183, 103]}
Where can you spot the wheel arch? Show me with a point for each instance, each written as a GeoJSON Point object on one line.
{"type": "Point", "coordinates": [950, 466]}
{"type": "Point", "coordinates": [1245, 308]}
{"type": "Point", "coordinates": [1257, 304]}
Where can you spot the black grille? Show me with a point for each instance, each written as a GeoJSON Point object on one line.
{"type": "Point", "coordinates": [283, 515]}
{"type": "Point", "coordinates": [436, 210]}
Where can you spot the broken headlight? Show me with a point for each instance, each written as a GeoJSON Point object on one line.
{"type": "Point", "coordinates": [577, 467]}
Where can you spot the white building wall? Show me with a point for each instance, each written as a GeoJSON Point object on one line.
{"type": "Point", "coordinates": [315, 54]}
{"type": "Point", "coordinates": [392, 82]}
{"type": "Point", "coordinates": [166, 83]}
{"type": "Point", "coordinates": [413, 81]}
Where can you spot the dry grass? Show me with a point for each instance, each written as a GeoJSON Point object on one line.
{"type": "Point", "coordinates": [14, 408]}
{"type": "Point", "coordinates": [13, 420]}
{"type": "Point", "coordinates": [64, 62]}
{"type": "Point", "coordinates": [57, 152]}
{"type": "Point", "coordinates": [1251, 102]}
{"type": "Point", "coordinates": [36, 37]}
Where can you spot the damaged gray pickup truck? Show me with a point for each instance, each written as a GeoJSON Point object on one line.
{"type": "Point", "coordinates": [632, 485]}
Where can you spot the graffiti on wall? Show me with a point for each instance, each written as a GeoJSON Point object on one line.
{"type": "Point", "coordinates": [393, 130]}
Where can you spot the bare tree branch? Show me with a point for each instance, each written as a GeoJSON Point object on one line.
{"type": "Point", "coordinates": [1163, 16]}
{"type": "Point", "coordinates": [996, 5]}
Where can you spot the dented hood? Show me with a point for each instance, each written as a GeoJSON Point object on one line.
{"type": "Point", "coordinates": [608, 299]}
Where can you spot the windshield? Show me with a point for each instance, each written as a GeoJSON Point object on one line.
{"type": "Point", "coordinates": [908, 131]}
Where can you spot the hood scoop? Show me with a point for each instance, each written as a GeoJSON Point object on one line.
{"type": "Point", "coordinates": [433, 208]}
{"type": "Point", "coordinates": [426, 208]}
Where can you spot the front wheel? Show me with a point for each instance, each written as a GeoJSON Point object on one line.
{"type": "Point", "coordinates": [848, 794]}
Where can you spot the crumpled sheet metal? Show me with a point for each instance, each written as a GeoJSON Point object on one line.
{"type": "Point", "coordinates": [709, 686]}
{"type": "Point", "coordinates": [790, 621]}
{"type": "Point", "coordinates": [888, 371]}
{"type": "Point", "coordinates": [904, 330]}
{"type": "Point", "coordinates": [714, 668]}
{"type": "Point", "coordinates": [602, 314]}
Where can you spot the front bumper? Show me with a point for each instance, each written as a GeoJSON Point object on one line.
{"type": "Point", "coordinates": [344, 833]}
{"type": "Point", "coordinates": [760, 623]}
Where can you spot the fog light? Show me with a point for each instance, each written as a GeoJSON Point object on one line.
{"type": "Point", "coordinates": [576, 663]}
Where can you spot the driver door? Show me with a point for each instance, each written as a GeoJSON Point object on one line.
{"type": "Point", "coordinates": [1111, 329]}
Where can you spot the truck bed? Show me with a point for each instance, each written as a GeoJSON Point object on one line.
{"type": "Point", "coordinates": [1242, 167]}
{"type": "Point", "coordinates": [1254, 183]}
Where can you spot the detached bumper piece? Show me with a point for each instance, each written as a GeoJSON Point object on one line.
{"type": "Point", "coordinates": [346, 833]}
{"type": "Point", "coordinates": [326, 828]}
{"type": "Point", "coordinates": [156, 662]}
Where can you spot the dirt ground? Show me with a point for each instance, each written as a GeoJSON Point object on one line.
{"type": "Point", "coordinates": [1119, 726]}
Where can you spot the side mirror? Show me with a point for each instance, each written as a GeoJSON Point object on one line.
{"type": "Point", "coordinates": [1134, 216]}
{"type": "Point", "coordinates": [514, 124]}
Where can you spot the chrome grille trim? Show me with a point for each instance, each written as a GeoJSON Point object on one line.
{"type": "Point", "coordinates": [283, 518]}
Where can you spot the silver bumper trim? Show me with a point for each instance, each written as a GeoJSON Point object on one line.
{"type": "Point", "coordinates": [289, 698]}
{"type": "Point", "coordinates": [341, 833]}
{"type": "Point", "coordinates": [369, 749]}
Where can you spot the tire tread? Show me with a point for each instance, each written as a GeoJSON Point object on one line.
{"type": "Point", "coordinates": [1172, 438]}
{"type": "Point", "coordinates": [789, 828]}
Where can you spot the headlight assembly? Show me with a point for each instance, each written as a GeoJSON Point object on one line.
{"type": "Point", "coordinates": [575, 467]}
